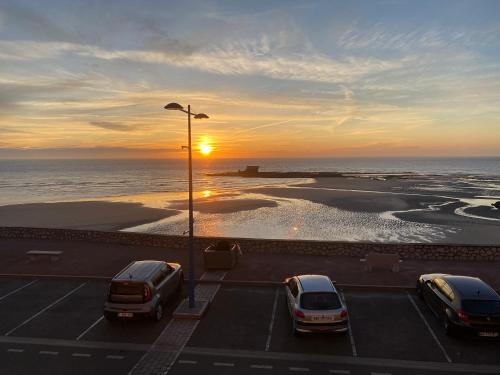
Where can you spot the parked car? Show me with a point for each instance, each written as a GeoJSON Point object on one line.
{"type": "Point", "coordinates": [462, 303]}
{"type": "Point", "coordinates": [142, 289]}
{"type": "Point", "coordinates": [315, 305]}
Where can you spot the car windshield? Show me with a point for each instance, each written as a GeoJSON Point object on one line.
{"type": "Point", "coordinates": [481, 306]}
{"type": "Point", "coordinates": [320, 301]}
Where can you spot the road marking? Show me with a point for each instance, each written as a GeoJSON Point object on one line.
{"type": "Point", "coordinates": [61, 343]}
{"type": "Point", "coordinates": [81, 355]}
{"type": "Point", "coordinates": [15, 350]}
{"type": "Point", "coordinates": [223, 364]}
{"type": "Point", "coordinates": [114, 357]}
{"type": "Point", "coordinates": [429, 328]}
{"type": "Point", "coordinates": [18, 289]}
{"type": "Point", "coordinates": [187, 362]}
{"type": "Point", "coordinates": [44, 309]}
{"type": "Point", "coordinates": [273, 316]}
{"type": "Point", "coordinates": [299, 369]}
{"type": "Point", "coordinates": [341, 360]}
{"type": "Point", "coordinates": [88, 329]}
{"type": "Point", "coordinates": [263, 367]}
{"type": "Point", "coordinates": [351, 336]}
{"type": "Point", "coordinates": [380, 373]}
{"type": "Point", "coordinates": [47, 352]}
{"type": "Point", "coordinates": [332, 371]}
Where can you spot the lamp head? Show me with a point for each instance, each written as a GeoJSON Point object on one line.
{"type": "Point", "coordinates": [174, 107]}
{"type": "Point", "coordinates": [200, 116]}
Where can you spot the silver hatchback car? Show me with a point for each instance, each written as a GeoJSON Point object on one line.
{"type": "Point", "coordinates": [315, 305]}
{"type": "Point", "coordinates": [142, 288]}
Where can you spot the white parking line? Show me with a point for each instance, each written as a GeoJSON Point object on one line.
{"type": "Point", "coordinates": [81, 355]}
{"type": "Point", "coordinates": [88, 329]}
{"type": "Point", "coordinates": [47, 352]}
{"type": "Point", "coordinates": [273, 316]}
{"type": "Point", "coordinates": [115, 357]}
{"type": "Point", "coordinates": [332, 371]}
{"type": "Point", "coordinates": [223, 364]}
{"type": "Point", "coordinates": [429, 328]}
{"type": "Point", "coordinates": [44, 309]}
{"type": "Point", "coordinates": [18, 289]}
{"type": "Point", "coordinates": [351, 336]}
{"type": "Point", "coordinates": [262, 367]}
{"type": "Point", "coordinates": [299, 369]}
{"type": "Point", "coordinates": [187, 362]}
{"type": "Point", "coordinates": [15, 350]}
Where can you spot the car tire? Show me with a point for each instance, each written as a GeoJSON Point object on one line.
{"type": "Point", "coordinates": [158, 313]}
{"type": "Point", "coordinates": [110, 317]}
{"type": "Point", "coordinates": [294, 328]}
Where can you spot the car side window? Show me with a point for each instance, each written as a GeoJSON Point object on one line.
{"type": "Point", "coordinates": [161, 275]}
{"type": "Point", "coordinates": [447, 291]}
{"type": "Point", "coordinates": [294, 289]}
{"type": "Point", "coordinates": [157, 278]}
{"type": "Point", "coordinates": [444, 288]}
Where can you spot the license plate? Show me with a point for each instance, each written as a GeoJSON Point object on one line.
{"type": "Point", "coordinates": [488, 334]}
{"type": "Point", "coordinates": [324, 317]}
{"type": "Point", "coordinates": [125, 314]}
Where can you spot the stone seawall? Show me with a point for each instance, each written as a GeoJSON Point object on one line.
{"type": "Point", "coordinates": [268, 246]}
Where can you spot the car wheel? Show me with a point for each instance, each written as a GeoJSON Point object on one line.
{"type": "Point", "coordinates": [158, 313]}
{"type": "Point", "coordinates": [294, 328]}
{"type": "Point", "coordinates": [110, 317]}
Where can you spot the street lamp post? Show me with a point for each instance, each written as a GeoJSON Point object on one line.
{"type": "Point", "coordinates": [178, 107]}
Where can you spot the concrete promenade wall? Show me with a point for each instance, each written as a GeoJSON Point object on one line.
{"type": "Point", "coordinates": [267, 246]}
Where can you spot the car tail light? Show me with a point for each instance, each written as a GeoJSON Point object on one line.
{"type": "Point", "coordinates": [343, 314]}
{"type": "Point", "coordinates": [463, 316]}
{"type": "Point", "coordinates": [147, 293]}
{"type": "Point", "coordinates": [298, 314]}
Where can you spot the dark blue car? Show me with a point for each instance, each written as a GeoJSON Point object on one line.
{"type": "Point", "coordinates": [462, 303]}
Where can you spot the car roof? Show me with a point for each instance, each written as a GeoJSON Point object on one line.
{"type": "Point", "coordinates": [471, 287]}
{"type": "Point", "coordinates": [139, 270]}
{"type": "Point", "coordinates": [316, 283]}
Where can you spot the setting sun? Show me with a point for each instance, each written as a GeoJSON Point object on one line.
{"type": "Point", "coordinates": [205, 149]}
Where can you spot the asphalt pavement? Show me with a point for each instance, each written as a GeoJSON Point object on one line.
{"type": "Point", "coordinates": [57, 327]}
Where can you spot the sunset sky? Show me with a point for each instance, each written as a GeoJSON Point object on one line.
{"type": "Point", "coordinates": [277, 78]}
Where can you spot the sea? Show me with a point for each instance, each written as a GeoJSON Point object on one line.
{"type": "Point", "coordinates": [56, 180]}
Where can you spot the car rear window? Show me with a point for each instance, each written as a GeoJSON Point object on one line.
{"type": "Point", "coordinates": [481, 307]}
{"type": "Point", "coordinates": [320, 301]}
{"type": "Point", "coordinates": [126, 288]}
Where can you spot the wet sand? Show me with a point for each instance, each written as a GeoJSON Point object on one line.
{"type": "Point", "coordinates": [215, 206]}
{"type": "Point", "coordinates": [108, 216]}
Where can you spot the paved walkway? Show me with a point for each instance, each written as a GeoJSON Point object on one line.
{"type": "Point", "coordinates": [170, 343]}
{"type": "Point", "coordinates": [105, 260]}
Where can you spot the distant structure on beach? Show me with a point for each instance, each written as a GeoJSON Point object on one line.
{"type": "Point", "coordinates": [250, 169]}
{"type": "Point", "coordinates": [253, 171]}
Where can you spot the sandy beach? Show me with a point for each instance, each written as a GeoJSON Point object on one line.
{"type": "Point", "coordinates": [391, 209]}
{"type": "Point", "coordinates": [108, 216]}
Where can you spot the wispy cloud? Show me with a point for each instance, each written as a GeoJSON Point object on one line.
{"type": "Point", "coordinates": [241, 58]}
{"type": "Point", "coordinates": [112, 126]}
{"type": "Point", "coordinates": [381, 37]}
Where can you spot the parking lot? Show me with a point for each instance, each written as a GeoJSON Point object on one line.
{"type": "Point", "coordinates": [395, 327]}
{"type": "Point", "coordinates": [58, 324]}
